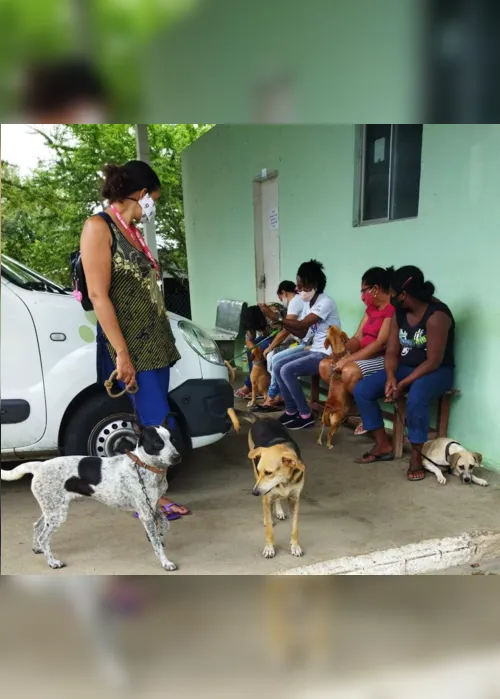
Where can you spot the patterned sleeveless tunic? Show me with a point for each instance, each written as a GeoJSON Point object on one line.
{"type": "Point", "coordinates": [140, 307]}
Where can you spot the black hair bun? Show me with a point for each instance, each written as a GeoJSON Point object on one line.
{"type": "Point", "coordinates": [428, 290]}
{"type": "Point", "coordinates": [116, 182]}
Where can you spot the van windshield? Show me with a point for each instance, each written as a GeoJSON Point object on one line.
{"type": "Point", "coordinates": [20, 275]}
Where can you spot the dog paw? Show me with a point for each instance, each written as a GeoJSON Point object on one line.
{"type": "Point", "coordinates": [269, 551]}
{"type": "Point", "coordinates": [481, 482]}
{"type": "Point", "coordinates": [295, 550]}
{"type": "Point", "coordinates": [442, 480]}
{"type": "Point", "coordinates": [280, 515]}
{"type": "Point", "coordinates": [36, 550]}
{"type": "Point", "coordinates": [168, 565]}
{"type": "Point", "coordinates": [55, 564]}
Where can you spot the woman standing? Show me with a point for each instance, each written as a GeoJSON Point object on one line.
{"type": "Point", "coordinates": [419, 360]}
{"type": "Point", "coordinates": [133, 334]}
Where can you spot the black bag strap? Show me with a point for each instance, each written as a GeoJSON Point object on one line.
{"type": "Point", "coordinates": [110, 223]}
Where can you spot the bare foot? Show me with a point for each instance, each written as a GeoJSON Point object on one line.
{"type": "Point", "coordinates": [173, 507]}
{"type": "Point", "coordinates": [242, 392]}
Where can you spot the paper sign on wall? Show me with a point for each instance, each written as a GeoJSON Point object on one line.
{"type": "Point", "coordinates": [379, 150]}
{"type": "Point", "coordinates": [274, 221]}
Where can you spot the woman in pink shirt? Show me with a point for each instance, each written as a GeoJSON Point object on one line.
{"type": "Point", "coordinates": [367, 346]}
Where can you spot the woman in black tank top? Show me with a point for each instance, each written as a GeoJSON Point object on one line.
{"type": "Point", "coordinates": [419, 360]}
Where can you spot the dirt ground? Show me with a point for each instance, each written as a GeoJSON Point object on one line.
{"type": "Point", "coordinates": [346, 509]}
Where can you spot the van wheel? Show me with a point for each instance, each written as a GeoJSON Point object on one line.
{"type": "Point", "coordinates": [103, 427]}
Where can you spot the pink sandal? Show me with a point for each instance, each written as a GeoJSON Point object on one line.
{"type": "Point", "coordinates": [241, 394]}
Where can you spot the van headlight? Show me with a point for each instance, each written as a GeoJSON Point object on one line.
{"type": "Point", "coordinates": [201, 342]}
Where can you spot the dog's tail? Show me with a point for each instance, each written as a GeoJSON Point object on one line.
{"type": "Point", "coordinates": [233, 415]}
{"type": "Point", "coordinates": [230, 371]}
{"type": "Point", "coordinates": [16, 473]}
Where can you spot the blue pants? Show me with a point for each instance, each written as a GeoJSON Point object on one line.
{"type": "Point", "coordinates": [263, 345]}
{"type": "Point", "coordinates": [423, 391]}
{"type": "Point", "coordinates": [287, 371]}
{"type": "Point", "coordinates": [274, 389]}
{"type": "Point", "coordinates": [151, 400]}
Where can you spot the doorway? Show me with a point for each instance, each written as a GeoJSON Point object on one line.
{"type": "Point", "coordinates": [267, 237]}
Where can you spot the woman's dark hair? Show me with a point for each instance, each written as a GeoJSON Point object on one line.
{"type": "Point", "coordinates": [62, 83]}
{"type": "Point", "coordinates": [254, 319]}
{"type": "Point", "coordinates": [311, 273]}
{"type": "Point", "coordinates": [378, 276]}
{"type": "Point", "coordinates": [411, 279]}
{"type": "Point", "coordinates": [120, 181]}
{"type": "Point", "coordinates": [288, 287]}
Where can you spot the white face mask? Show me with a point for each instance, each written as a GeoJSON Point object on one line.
{"type": "Point", "coordinates": [148, 206]}
{"type": "Point", "coordinates": [307, 295]}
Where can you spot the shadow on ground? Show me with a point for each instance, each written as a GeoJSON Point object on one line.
{"type": "Point", "coordinates": [346, 509]}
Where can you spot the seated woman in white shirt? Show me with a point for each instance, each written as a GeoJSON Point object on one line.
{"type": "Point", "coordinates": [321, 312]}
{"type": "Point", "coordinates": [283, 344]}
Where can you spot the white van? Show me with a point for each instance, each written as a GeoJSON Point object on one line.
{"type": "Point", "coordinates": [50, 401]}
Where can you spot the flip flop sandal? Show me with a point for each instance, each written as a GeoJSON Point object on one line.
{"type": "Point", "coordinates": [239, 394]}
{"type": "Point", "coordinates": [266, 409]}
{"type": "Point", "coordinates": [174, 515]}
{"type": "Point", "coordinates": [359, 432]}
{"type": "Point", "coordinates": [420, 478]}
{"type": "Point", "coordinates": [169, 513]}
{"type": "Point", "coordinates": [369, 458]}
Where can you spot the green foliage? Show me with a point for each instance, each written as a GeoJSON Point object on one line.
{"type": "Point", "coordinates": [43, 214]}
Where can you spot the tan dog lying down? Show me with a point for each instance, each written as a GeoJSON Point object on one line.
{"type": "Point", "coordinates": [279, 475]}
{"type": "Point", "coordinates": [446, 453]}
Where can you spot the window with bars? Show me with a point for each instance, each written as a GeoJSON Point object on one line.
{"type": "Point", "coordinates": [389, 160]}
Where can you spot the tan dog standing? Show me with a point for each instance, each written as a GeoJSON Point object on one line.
{"type": "Point", "coordinates": [337, 403]}
{"type": "Point", "coordinates": [260, 378]}
{"type": "Point", "coordinates": [446, 453]}
{"type": "Point", "coordinates": [279, 475]}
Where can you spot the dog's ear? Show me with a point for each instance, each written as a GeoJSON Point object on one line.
{"type": "Point", "coordinates": [478, 457]}
{"type": "Point", "coordinates": [454, 459]}
{"type": "Point", "coordinates": [255, 453]}
{"type": "Point", "coordinates": [327, 343]}
{"type": "Point", "coordinates": [344, 336]}
{"type": "Point", "coordinates": [288, 461]}
{"type": "Point", "coordinates": [291, 461]}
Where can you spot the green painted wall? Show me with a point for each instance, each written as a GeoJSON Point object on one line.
{"type": "Point", "coordinates": [344, 61]}
{"type": "Point", "coordinates": [455, 239]}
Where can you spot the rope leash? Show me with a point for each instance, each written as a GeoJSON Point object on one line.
{"type": "Point", "coordinates": [137, 463]}
{"type": "Point", "coordinates": [405, 433]}
{"type": "Point", "coordinates": [109, 383]}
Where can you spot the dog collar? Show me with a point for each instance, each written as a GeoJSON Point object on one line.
{"type": "Point", "coordinates": [138, 462]}
{"type": "Point", "coordinates": [447, 454]}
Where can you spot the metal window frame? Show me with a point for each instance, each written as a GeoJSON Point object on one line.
{"type": "Point", "coordinates": [359, 185]}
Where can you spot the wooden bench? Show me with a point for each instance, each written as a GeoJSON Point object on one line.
{"type": "Point", "coordinates": [398, 436]}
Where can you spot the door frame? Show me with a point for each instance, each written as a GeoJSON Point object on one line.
{"type": "Point", "coordinates": [260, 289]}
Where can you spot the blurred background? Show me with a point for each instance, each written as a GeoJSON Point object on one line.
{"type": "Point", "coordinates": [181, 61]}
{"type": "Point", "coordinates": [345, 637]}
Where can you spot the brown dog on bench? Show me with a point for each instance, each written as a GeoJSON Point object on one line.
{"type": "Point", "coordinates": [337, 403]}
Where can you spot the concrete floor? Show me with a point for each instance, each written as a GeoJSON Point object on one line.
{"type": "Point", "coordinates": [346, 509]}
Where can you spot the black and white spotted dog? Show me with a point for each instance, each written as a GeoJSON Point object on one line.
{"type": "Point", "coordinates": [113, 481]}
